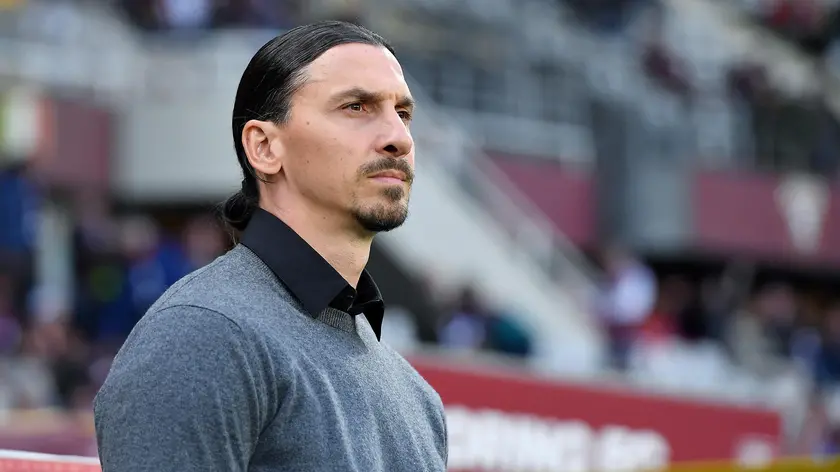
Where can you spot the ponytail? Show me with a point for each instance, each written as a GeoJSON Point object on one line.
{"type": "Point", "coordinates": [237, 210]}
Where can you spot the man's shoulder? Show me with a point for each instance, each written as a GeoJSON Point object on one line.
{"type": "Point", "coordinates": [234, 284]}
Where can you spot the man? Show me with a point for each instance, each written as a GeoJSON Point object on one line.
{"type": "Point", "coordinates": [19, 206]}
{"type": "Point", "coordinates": [625, 301]}
{"type": "Point", "coordinates": [269, 358]}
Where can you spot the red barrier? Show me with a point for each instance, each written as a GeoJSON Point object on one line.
{"type": "Point", "coordinates": [512, 422]}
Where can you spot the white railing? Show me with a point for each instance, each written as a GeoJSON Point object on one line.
{"type": "Point", "coordinates": [37, 462]}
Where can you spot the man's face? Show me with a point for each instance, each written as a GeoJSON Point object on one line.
{"type": "Point", "coordinates": [347, 141]}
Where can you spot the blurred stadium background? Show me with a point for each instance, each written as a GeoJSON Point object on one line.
{"type": "Point", "coordinates": [624, 247]}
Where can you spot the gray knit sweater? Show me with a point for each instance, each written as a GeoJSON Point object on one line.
{"type": "Point", "coordinates": [227, 372]}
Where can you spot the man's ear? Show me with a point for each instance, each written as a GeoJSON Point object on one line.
{"type": "Point", "coordinates": [261, 140]}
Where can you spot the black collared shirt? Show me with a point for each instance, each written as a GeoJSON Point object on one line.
{"type": "Point", "coordinates": [309, 276]}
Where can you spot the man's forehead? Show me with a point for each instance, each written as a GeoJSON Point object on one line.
{"type": "Point", "coordinates": [358, 65]}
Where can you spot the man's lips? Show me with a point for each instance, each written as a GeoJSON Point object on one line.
{"type": "Point", "coordinates": [389, 176]}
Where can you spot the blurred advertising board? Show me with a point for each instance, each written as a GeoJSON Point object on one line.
{"type": "Point", "coordinates": [780, 218]}
{"type": "Point", "coordinates": [777, 218]}
{"type": "Point", "coordinates": [509, 421]}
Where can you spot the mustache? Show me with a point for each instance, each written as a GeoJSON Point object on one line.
{"type": "Point", "coordinates": [388, 164]}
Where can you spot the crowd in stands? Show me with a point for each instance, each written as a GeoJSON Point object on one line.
{"type": "Point", "coordinates": [782, 132]}
{"type": "Point", "coordinates": [758, 323]}
{"type": "Point", "coordinates": [812, 25]}
{"type": "Point", "coordinates": [55, 347]}
{"type": "Point", "coordinates": [766, 327]}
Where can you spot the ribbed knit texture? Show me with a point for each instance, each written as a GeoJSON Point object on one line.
{"type": "Point", "coordinates": [227, 372]}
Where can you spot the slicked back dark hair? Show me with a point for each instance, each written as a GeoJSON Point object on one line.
{"type": "Point", "coordinates": [265, 93]}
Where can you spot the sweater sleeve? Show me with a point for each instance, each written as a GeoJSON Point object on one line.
{"type": "Point", "coordinates": [184, 394]}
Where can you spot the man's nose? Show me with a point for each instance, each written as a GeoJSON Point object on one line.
{"type": "Point", "coordinates": [396, 138]}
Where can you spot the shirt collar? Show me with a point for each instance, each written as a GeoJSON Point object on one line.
{"type": "Point", "coordinates": [310, 278]}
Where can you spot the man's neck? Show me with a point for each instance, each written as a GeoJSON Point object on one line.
{"type": "Point", "coordinates": [348, 254]}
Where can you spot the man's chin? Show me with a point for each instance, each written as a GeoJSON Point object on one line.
{"type": "Point", "coordinates": [382, 221]}
{"type": "Point", "coordinates": [381, 225]}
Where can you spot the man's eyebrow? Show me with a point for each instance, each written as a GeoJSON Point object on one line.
{"type": "Point", "coordinates": [363, 95]}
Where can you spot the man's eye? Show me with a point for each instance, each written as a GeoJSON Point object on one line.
{"type": "Point", "coordinates": [355, 107]}
{"type": "Point", "coordinates": [406, 116]}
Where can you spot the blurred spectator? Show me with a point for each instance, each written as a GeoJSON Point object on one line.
{"type": "Point", "coordinates": [779, 312]}
{"type": "Point", "coordinates": [10, 326]}
{"type": "Point", "coordinates": [506, 335]}
{"type": "Point", "coordinates": [26, 380]}
{"type": "Point", "coordinates": [55, 340]}
{"type": "Point", "coordinates": [95, 230]}
{"type": "Point", "coordinates": [153, 263]}
{"type": "Point", "coordinates": [819, 434]}
{"type": "Point", "coordinates": [692, 319]}
{"type": "Point", "coordinates": [472, 326]}
{"type": "Point", "coordinates": [763, 330]}
{"type": "Point", "coordinates": [706, 310]}
{"type": "Point", "coordinates": [124, 266]}
{"type": "Point", "coordinates": [28, 375]}
{"type": "Point", "coordinates": [828, 362]}
{"type": "Point", "coordinates": [466, 326]}
{"type": "Point", "coordinates": [184, 14]}
{"type": "Point", "coordinates": [203, 241]}
{"type": "Point", "coordinates": [661, 324]}
{"type": "Point", "coordinates": [98, 276]}
{"type": "Point", "coordinates": [625, 301]}
{"type": "Point", "coordinates": [19, 203]}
